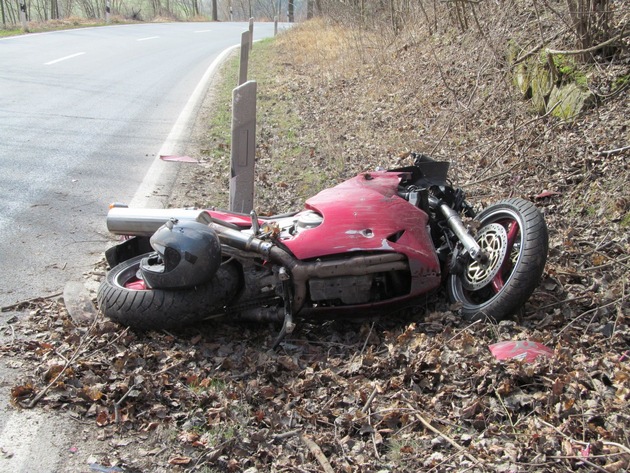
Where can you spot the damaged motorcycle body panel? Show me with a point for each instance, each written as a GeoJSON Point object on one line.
{"type": "Point", "coordinates": [365, 214]}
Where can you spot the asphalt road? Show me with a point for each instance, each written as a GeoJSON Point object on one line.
{"type": "Point", "coordinates": [83, 114]}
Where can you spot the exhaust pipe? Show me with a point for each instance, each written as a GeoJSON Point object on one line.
{"type": "Point", "coordinates": [145, 222]}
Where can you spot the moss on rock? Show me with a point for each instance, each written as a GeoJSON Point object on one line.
{"type": "Point", "coordinates": [542, 83]}
{"type": "Point", "coordinates": [522, 80]}
{"type": "Point", "coordinates": [568, 101]}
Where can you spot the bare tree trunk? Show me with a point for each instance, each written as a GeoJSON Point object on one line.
{"type": "Point", "coordinates": [215, 13]}
{"type": "Point", "coordinates": [591, 23]}
{"type": "Point", "coordinates": [291, 10]}
{"type": "Point", "coordinates": [54, 10]}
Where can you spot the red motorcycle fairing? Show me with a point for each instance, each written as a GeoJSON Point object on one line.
{"type": "Point", "coordinates": [366, 214]}
{"type": "Point", "coordinates": [240, 220]}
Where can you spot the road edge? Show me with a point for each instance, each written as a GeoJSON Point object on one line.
{"type": "Point", "coordinates": [159, 179]}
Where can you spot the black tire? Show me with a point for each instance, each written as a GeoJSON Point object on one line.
{"type": "Point", "coordinates": [154, 309]}
{"type": "Point", "coordinates": [517, 261]}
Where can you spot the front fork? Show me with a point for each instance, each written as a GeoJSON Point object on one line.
{"type": "Point", "coordinates": [456, 225]}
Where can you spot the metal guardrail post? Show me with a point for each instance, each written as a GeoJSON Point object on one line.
{"type": "Point", "coordinates": [242, 71]}
{"type": "Point", "coordinates": [23, 16]}
{"type": "Point", "coordinates": [251, 33]}
{"type": "Point", "coordinates": [243, 147]}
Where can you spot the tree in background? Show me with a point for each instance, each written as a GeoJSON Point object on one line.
{"type": "Point", "coordinates": [589, 22]}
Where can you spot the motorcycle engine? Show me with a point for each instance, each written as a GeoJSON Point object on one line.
{"type": "Point", "coordinates": [346, 290]}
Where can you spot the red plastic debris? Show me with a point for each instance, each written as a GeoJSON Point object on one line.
{"type": "Point", "coordinates": [523, 350]}
{"type": "Point", "coordinates": [544, 194]}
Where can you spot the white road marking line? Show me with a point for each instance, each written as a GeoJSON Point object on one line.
{"type": "Point", "coordinates": [145, 39]}
{"type": "Point", "coordinates": [62, 59]}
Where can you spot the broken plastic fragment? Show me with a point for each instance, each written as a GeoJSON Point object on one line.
{"type": "Point", "coordinates": [544, 194]}
{"type": "Point", "coordinates": [523, 350]}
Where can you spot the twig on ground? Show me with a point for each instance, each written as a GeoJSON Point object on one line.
{"type": "Point", "coordinates": [110, 342]}
{"type": "Point", "coordinates": [579, 442]}
{"type": "Point", "coordinates": [494, 176]}
{"type": "Point", "coordinates": [370, 399]}
{"type": "Point", "coordinates": [565, 301]}
{"type": "Point", "coordinates": [18, 305]}
{"type": "Point", "coordinates": [74, 356]}
{"type": "Point", "coordinates": [612, 152]}
{"type": "Point", "coordinates": [287, 434]}
{"type": "Point", "coordinates": [317, 453]}
{"type": "Point", "coordinates": [509, 416]}
{"type": "Point", "coordinates": [616, 301]}
{"type": "Point", "coordinates": [610, 263]}
{"type": "Point", "coordinates": [168, 368]}
{"type": "Point", "coordinates": [119, 402]}
{"type": "Point", "coordinates": [463, 450]}
{"type": "Point", "coordinates": [367, 339]}
{"type": "Point", "coordinates": [462, 331]}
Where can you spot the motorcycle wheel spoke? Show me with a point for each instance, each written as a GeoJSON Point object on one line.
{"type": "Point", "coordinates": [497, 283]}
{"type": "Point", "coordinates": [512, 233]}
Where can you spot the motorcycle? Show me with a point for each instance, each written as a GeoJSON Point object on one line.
{"type": "Point", "coordinates": [372, 244]}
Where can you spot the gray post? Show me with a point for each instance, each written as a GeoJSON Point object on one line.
{"type": "Point", "coordinates": [251, 33]}
{"type": "Point", "coordinates": [275, 25]}
{"type": "Point", "coordinates": [23, 15]}
{"type": "Point", "coordinates": [243, 147]}
{"type": "Point", "coordinates": [242, 72]}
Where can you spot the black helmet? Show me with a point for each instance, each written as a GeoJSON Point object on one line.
{"type": "Point", "coordinates": [187, 254]}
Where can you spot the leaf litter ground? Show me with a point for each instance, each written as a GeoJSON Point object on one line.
{"type": "Point", "coordinates": [416, 391]}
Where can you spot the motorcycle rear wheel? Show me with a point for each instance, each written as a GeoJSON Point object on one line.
{"type": "Point", "coordinates": [514, 235]}
{"type": "Point", "coordinates": [123, 297]}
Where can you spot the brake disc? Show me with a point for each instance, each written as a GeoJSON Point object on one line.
{"type": "Point", "coordinates": [492, 239]}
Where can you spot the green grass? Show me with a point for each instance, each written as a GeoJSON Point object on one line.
{"type": "Point", "coordinates": [621, 82]}
{"type": "Point", "coordinates": [219, 125]}
{"type": "Point", "coordinates": [55, 25]}
{"type": "Point", "coordinates": [10, 32]}
{"type": "Point", "coordinates": [283, 152]}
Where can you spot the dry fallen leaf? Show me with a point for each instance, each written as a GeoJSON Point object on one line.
{"type": "Point", "coordinates": [179, 460]}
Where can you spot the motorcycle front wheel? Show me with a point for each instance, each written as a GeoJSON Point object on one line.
{"type": "Point", "coordinates": [124, 298]}
{"type": "Point", "coordinates": [514, 235]}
